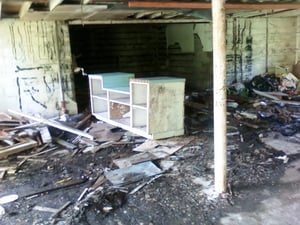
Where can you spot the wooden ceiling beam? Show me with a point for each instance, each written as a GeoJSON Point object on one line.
{"type": "Point", "coordinates": [11, 8]}
{"type": "Point", "coordinates": [207, 5]}
{"type": "Point", "coordinates": [24, 8]}
{"type": "Point", "coordinates": [54, 3]}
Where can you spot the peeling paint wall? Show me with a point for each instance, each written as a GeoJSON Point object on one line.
{"type": "Point", "coordinates": [297, 39]}
{"type": "Point", "coordinates": [35, 62]}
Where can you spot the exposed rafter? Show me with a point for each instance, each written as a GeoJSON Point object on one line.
{"type": "Point", "coordinates": [54, 3]}
{"type": "Point", "coordinates": [24, 8]}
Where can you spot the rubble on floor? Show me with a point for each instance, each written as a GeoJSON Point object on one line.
{"type": "Point", "coordinates": [84, 171]}
{"type": "Point", "coordinates": [30, 142]}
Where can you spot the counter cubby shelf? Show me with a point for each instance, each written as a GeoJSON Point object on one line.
{"type": "Point", "coordinates": [152, 107]}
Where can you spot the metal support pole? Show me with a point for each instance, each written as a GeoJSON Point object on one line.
{"type": "Point", "coordinates": [219, 79]}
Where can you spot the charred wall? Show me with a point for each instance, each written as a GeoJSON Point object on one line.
{"type": "Point", "coordinates": [259, 45]}
{"type": "Point", "coordinates": [140, 49]}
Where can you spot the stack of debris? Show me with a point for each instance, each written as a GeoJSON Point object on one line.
{"type": "Point", "coordinates": [25, 138]}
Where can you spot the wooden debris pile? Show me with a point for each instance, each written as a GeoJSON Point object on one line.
{"type": "Point", "coordinates": [25, 138]}
{"type": "Point", "coordinates": [20, 132]}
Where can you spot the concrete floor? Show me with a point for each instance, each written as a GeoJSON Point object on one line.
{"type": "Point", "coordinates": [279, 204]}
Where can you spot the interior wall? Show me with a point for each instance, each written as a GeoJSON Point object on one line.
{"type": "Point", "coordinates": [259, 45]}
{"type": "Point", "coordinates": [33, 70]}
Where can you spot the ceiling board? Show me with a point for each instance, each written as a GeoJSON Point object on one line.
{"type": "Point", "coordinates": [138, 21]}
{"type": "Point", "coordinates": [207, 5]}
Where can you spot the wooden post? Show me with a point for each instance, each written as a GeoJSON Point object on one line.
{"type": "Point", "coordinates": [219, 86]}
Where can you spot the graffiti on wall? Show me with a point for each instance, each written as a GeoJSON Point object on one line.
{"type": "Point", "coordinates": [42, 72]}
{"type": "Point", "coordinates": [36, 91]}
{"type": "Point", "coordinates": [239, 59]}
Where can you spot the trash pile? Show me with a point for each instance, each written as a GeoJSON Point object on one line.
{"type": "Point", "coordinates": [273, 99]}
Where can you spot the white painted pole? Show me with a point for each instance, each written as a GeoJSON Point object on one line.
{"type": "Point", "coordinates": [219, 86]}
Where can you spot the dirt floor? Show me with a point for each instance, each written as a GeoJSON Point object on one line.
{"type": "Point", "coordinates": [181, 195]}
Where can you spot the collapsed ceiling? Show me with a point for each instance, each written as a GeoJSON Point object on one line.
{"type": "Point", "coordinates": [140, 11]}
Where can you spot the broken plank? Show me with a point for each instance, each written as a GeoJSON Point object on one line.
{"type": "Point", "coordinates": [101, 180]}
{"type": "Point", "coordinates": [170, 145]}
{"type": "Point", "coordinates": [265, 94]}
{"type": "Point", "coordinates": [144, 184]}
{"type": "Point", "coordinates": [44, 209]}
{"type": "Point", "coordinates": [248, 124]}
{"type": "Point", "coordinates": [53, 124]}
{"type": "Point", "coordinates": [5, 117]}
{"type": "Point", "coordinates": [23, 146]}
{"type": "Point", "coordinates": [152, 150]}
{"type": "Point", "coordinates": [138, 158]}
{"type": "Point", "coordinates": [44, 191]}
{"type": "Point", "coordinates": [20, 127]}
{"type": "Point", "coordinates": [7, 168]}
{"type": "Point", "coordinates": [132, 174]}
{"type": "Point", "coordinates": [55, 214]}
{"type": "Point", "coordinates": [65, 144]}
{"type": "Point", "coordinates": [36, 154]}
{"type": "Point", "coordinates": [83, 121]}
{"type": "Point", "coordinates": [287, 102]}
{"type": "Point", "coordinates": [2, 174]}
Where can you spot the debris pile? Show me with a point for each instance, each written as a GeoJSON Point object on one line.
{"type": "Point", "coordinates": [40, 148]}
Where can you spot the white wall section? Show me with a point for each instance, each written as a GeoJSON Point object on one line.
{"type": "Point", "coordinates": [33, 57]}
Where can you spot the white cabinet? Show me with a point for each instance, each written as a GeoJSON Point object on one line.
{"type": "Point", "coordinates": [152, 107]}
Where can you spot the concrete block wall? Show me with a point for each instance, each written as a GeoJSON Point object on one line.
{"type": "Point", "coordinates": [139, 49]}
{"type": "Point", "coordinates": [35, 67]}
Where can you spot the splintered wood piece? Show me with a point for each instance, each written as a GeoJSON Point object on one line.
{"type": "Point", "coordinates": [55, 214]}
{"type": "Point", "coordinates": [138, 158]}
{"type": "Point", "coordinates": [16, 148]}
{"type": "Point", "coordinates": [44, 209]}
